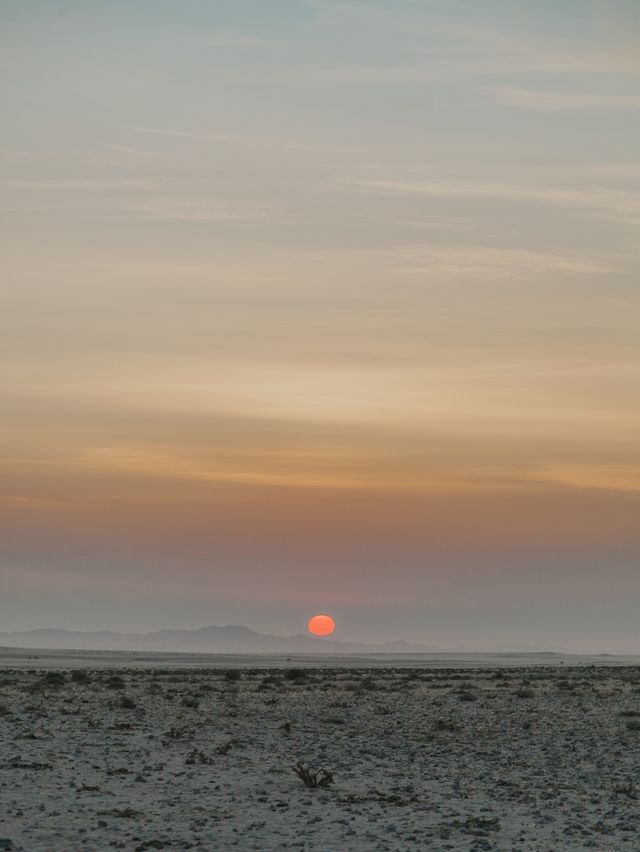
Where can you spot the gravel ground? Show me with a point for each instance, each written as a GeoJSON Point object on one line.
{"type": "Point", "coordinates": [542, 758]}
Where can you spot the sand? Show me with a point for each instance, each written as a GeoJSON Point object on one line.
{"type": "Point", "coordinates": [510, 758]}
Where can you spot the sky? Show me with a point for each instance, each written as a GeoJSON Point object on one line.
{"type": "Point", "coordinates": [322, 305]}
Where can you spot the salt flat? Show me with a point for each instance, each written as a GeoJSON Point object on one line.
{"type": "Point", "coordinates": [193, 757]}
{"type": "Point", "coordinates": [43, 658]}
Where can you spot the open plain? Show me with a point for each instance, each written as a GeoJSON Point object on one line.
{"type": "Point", "coordinates": [505, 758]}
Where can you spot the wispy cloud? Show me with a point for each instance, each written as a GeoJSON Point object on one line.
{"type": "Point", "coordinates": [236, 39]}
{"type": "Point", "coordinates": [537, 99]}
{"type": "Point", "coordinates": [120, 153]}
{"type": "Point", "coordinates": [399, 73]}
{"type": "Point", "coordinates": [481, 262]}
{"type": "Point", "coordinates": [138, 199]}
{"type": "Point", "coordinates": [452, 224]}
{"type": "Point", "coordinates": [243, 139]}
{"type": "Point", "coordinates": [349, 466]}
{"type": "Point", "coordinates": [465, 41]}
{"type": "Point", "coordinates": [78, 184]}
{"type": "Point", "coordinates": [207, 210]}
{"type": "Point", "coordinates": [605, 203]}
{"type": "Point", "coordinates": [621, 477]}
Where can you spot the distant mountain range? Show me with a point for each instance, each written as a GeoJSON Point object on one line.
{"type": "Point", "coordinates": [213, 639]}
{"type": "Point", "coordinates": [235, 639]}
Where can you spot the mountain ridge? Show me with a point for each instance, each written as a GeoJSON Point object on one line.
{"type": "Point", "coordinates": [238, 639]}
{"type": "Point", "coordinates": [229, 638]}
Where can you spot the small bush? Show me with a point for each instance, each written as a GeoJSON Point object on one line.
{"type": "Point", "coordinates": [79, 676]}
{"type": "Point", "coordinates": [190, 702]}
{"type": "Point", "coordinates": [633, 725]}
{"type": "Point", "coordinates": [313, 777]}
{"type": "Point", "coordinates": [524, 692]}
{"type": "Point", "coordinates": [54, 679]}
{"type": "Point", "coordinates": [115, 682]}
{"type": "Point", "coordinates": [627, 789]}
{"type": "Point", "coordinates": [127, 703]}
{"type": "Point", "coordinates": [295, 674]}
{"type": "Point", "coordinates": [481, 823]}
{"type": "Point", "coordinates": [270, 682]}
{"type": "Point", "coordinates": [447, 725]}
{"type": "Point", "coordinates": [232, 675]}
{"type": "Point", "coordinates": [197, 757]}
{"type": "Point", "coordinates": [16, 763]}
{"type": "Point", "coordinates": [179, 732]}
{"type": "Point", "coordinates": [121, 813]}
{"type": "Point", "coordinates": [467, 696]}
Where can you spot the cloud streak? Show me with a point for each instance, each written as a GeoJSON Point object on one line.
{"type": "Point", "coordinates": [537, 99]}
{"type": "Point", "coordinates": [619, 204]}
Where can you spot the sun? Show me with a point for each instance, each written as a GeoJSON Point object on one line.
{"type": "Point", "coordinates": [321, 625]}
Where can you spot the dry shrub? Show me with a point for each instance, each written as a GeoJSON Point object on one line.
{"type": "Point", "coordinates": [313, 777]}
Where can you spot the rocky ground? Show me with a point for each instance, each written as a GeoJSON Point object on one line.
{"type": "Point", "coordinates": [506, 759]}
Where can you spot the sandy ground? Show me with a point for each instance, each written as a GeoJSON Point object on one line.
{"type": "Point", "coordinates": [543, 758]}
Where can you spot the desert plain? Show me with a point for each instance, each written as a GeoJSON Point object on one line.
{"type": "Point", "coordinates": [492, 757]}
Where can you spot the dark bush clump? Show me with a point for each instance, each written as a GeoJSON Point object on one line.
{"type": "Point", "coordinates": [295, 674]}
{"type": "Point", "coordinates": [225, 748]}
{"type": "Point", "coordinates": [313, 777]}
{"type": "Point", "coordinates": [232, 675]}
{"type": "Point", "coordinates": [198, 757]}
{"type": "Point", "coordinates": [627, 789]}
{"type": "Point", "coordinates": [55, 678]}
{"type": "Point", "coordinates": [467, 696]}
{"type": "Point", "coordinates": [271, 680]}
{"type": "Point", "coordinates": [524, 692]}
{"type": "Point", "coordinates": [447, 725]}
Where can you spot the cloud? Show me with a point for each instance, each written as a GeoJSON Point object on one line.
{"type": "Point", "coordinates": [78, 184]}
{"type": "Point", "coordinates": [244, 139]}
{"type": "Point", "coordinates": [614, 204]}
{"type": "Point", "coordinates": [144, 202]}
{"type": "Point", "coordinates": [207, 210]}
{"type": "Point", "coordinates": [474, 38]}
{"type": "Point", "coordinates": [481, 262]}
{"type": "Point", "coordinates": [606, 477]}
{"type": "Point", "coordinates": [231, 39]}
{"type": "Point", "coordinates": [400, 73]}
{"type": "Point", "coordinates": [536, 99]}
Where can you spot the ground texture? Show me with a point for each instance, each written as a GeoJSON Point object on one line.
{"type": "Point", "coordinates": [506, 759]}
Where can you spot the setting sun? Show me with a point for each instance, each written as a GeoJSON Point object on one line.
{"type": "Point", "coordinates": [321, 625]}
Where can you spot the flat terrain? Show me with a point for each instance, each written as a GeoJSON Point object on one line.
{"type": "Point", "coordinates": [511, 758]}
{"type": "Point", "coordinates": [39, 658]}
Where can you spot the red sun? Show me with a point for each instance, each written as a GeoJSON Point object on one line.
{"type": "Point", "coordinates": [321, 625]}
